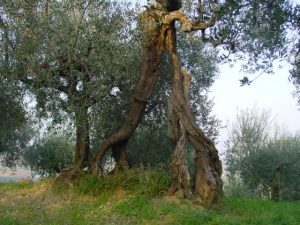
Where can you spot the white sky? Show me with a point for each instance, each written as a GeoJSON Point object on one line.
{"type": "Point", "coordinates": [269, 91]}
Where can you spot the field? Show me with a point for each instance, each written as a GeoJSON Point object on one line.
{"type": "Point", "coordinates": [138, 197]}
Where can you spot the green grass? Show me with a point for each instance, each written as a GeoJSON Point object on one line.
{"type": "Point", "coordinates": [6, 187]}
{"type": "Point", "coordinates": [136, 197]}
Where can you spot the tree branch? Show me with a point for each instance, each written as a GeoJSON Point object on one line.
{"type": "Point", "coordinates": [186, 24]}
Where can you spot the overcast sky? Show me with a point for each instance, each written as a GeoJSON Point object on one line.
{"type": "Point", "coordinates": [269, 91]}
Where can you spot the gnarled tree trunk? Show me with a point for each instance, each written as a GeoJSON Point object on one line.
{"type": "Point", "coordinates": [179, 163]}
{"type": "Point", "coordinates": [159, 34]}
{"type": "Point", "coordinates": [207, 177]}
{"type": "Point", "coordinates": [153, 46]}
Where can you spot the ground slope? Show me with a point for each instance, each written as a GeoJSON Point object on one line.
{"type": "Point", "coordinates": [136, 198]}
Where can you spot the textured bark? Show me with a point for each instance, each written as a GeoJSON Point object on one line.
{"type": "Point", "coordinates": [82, 149]}
{"type": "Point", "coordinates": [207, 174]}
{"type": "Point", "coordinates": [153, 46]}
{"type": "Point", "coordinates": [180, 184]}
{"type": "Point", "coordinates": [207, 177]}
{"type": "Point", "coordinates": [179, 163]}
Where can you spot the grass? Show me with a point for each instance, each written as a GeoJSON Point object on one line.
{"type": "Point", "coordinates": [136, 197]}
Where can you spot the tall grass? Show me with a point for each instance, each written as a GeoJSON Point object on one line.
{"type": "Point", "coordinates": [150, 183]}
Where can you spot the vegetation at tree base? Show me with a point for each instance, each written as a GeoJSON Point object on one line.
{"type": "Point", "coordinates": [265, 164]}
{"type": "Point", "coordinates": [133, 198]}
{"type": "Point", "coordinates": [78, 61]}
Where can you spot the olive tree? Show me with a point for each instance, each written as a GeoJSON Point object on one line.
{"type": "Point", "coordinates": [68, 54]}
{"type": "Point", "coordinates": [252, 30]}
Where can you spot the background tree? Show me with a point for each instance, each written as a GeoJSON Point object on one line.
{"type": "Point", "coordinates": [295, 52]}
{"type": "Point", "coordinates": [69, 55]}
{"type": "Point", "coordinates": [15, 131]}
{"type": "Point", "coordinates": [273, 172]}
{"type": "Point", "coordinates": [262, 158]}
{"type": "Point", "coordinates": [248, 134]}
{"type": "Point", "coordinates": [49, 155]}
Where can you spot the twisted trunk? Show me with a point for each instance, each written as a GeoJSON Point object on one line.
{"type": "Point", "coordinates": [179, 164]}
{"type": "Point", "coordinates": [159, 33]}
{"type": "Point", "coordinates": [208, 171]}
{"type": "Point", "coordinates": [153, 46]}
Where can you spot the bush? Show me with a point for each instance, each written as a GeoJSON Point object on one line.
{"type": "Point", "coordinates": [49, 155]}
{"type": "Point", "coordinates": [234, 187]}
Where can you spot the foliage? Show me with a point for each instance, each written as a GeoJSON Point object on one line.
{"type": "Point", "coordinates": [40, 205]}
{"type": "Point", "coordinates": [49, 155]}
{"type": "Point", "coordinates": [14, 130]}
{"type": "Point", "coordinates": [265, 164]}
{"type": "Point", "coordinates": [13, 145]}
{"type": "Point", "coordinates": [257, 30]}
{"type": "Point", "coordinates": [276, 164]}
{"type": "Point", "coordinates": [150, 146]}
{"type": "Point", "coordinates": [12, 113]}
{"type": "Point", "coordinates": [295, 55]}
{"type": "Point", "coordinates": [248, 134]}
{"type": "Point", "coordinates": [70, 55]}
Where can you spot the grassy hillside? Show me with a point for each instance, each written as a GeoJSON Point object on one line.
{"type": "Point", "coordinates": [134, 198]}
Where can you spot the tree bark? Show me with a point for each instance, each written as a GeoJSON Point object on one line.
{"type": "Point", "coordinates": [179, 163]}
{"type": "Point", "coordinates": [153, 46]}
{"type": "Point", "coordinates": [208, 171]}
{"type": "Point", "coordinates": [180, 183]}
{"type": "Point", "coordinates": [82, 148]}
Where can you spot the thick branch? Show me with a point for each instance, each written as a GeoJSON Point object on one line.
{"type": "Point", "coordinates": [186, 24]}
